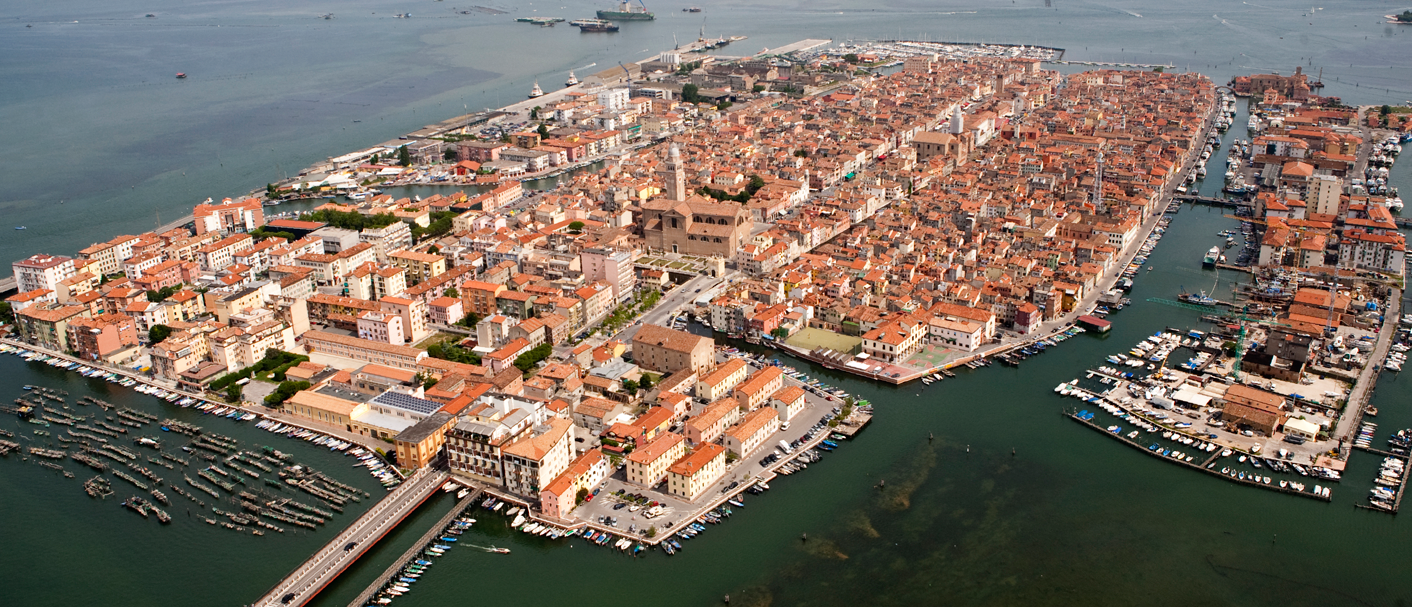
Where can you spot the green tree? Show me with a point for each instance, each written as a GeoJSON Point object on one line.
{"type": "Point", "coordinates": [157, 334]}
{"type": "Point", "coordinates": [630, 386]}
{"type": "Point", "coordinates": [283, 393]}
{"type": "Point", "coordinates": [404, 157]}
{"type": "Point", "coordinates": [534, 112]}
{"type": "Point", "coordinates": [453, 353]}
{"type": "Point", "coordinates": [351, 220]}
{"type": "Point", "coordinates": [723, 106]}
{"type": "Point", "coordinates": [802, 153]}
{"type": "Point", "coordinates": [576, 227]}
{"type": "Point", "coordinates": [543, 131]}
{"type": "Point", "coordinates": [7, 312]}
{"type": "Point", "coordinates": [581, 495]}
{"type": "Point", "coordinates": [449, 154]}
{"type": "Point", "coordinates": [373, 160]}
{"type": "Point", "coordinates": [1385, 110]}
{"type": "Point", "coordinates": [646, 382]}
{"type": "Point", "coordinates": [271, 191]}
{"type": "Point", "coordinates": [261, 233]}
{"type": "Point", "coordinates": [504, 138]}
{"type": "Point", "coordinates": [851, 58]}
{"type": "Point", "coordinates": [528, 360]}
{"type": "Point", "coordinates": [780, 333]}
{"type": "Point", "coordinates": [162, 294]}
{"type": "Point", "coordinates": [759, 88]}
{"type": "Point", "coordinates": [689, 93]}
{"type": "Point", "coordinates": [651, 532]}
{"type": "Point", "coordinates": [451, 292]}
{"type": "Point", "coordinates": [233, 393]}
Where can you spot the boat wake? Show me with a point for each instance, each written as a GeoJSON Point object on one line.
{"type": "Point", "coordinates": [491, 549]}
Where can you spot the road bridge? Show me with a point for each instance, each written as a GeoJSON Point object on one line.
{"type": "Point", "coordinates": [299, 587]}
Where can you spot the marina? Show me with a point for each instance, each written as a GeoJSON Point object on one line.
{"type": "Point", "coordinates": [92, 438]}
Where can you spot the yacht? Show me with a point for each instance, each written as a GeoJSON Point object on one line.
{"type": "Point", "coordinates": [1211, 257]}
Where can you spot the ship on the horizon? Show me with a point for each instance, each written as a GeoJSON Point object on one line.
{"type": "Point", "coordinates": [626, 12]}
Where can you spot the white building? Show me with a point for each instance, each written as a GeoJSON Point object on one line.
{"type": "Point", "coordinates": [381, 327]}
{"type": "Point", "coordinates": [42, 272]}
{"type": "Point", "coordinates": [614, 99]}
{"type": "Point", "coordinates": [962, 334]}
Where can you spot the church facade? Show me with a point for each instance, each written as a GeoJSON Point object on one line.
{"type": "Point", "coordinates": [689, 224]}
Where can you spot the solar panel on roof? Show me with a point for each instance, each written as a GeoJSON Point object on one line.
{"type": "Point", "coordinates": [407, 402]}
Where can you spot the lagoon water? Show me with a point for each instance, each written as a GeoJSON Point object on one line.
{"type": "Point", "coordinates": [93, 118]}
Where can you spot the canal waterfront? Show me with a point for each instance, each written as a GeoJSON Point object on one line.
{"type": "Point", "coordinates": [52, 529]}
{"type": "Point", "coordinates": [1071, 518]}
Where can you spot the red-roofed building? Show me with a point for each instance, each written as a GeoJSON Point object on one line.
{"type": "Point", "coordinates": [693, 474]}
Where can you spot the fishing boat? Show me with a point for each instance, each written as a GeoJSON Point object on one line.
{"type": "Point", "coordinates": [1211, 256]}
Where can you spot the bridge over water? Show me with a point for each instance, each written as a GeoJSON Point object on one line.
{"type": "Point", "coordinates": [299, 587]}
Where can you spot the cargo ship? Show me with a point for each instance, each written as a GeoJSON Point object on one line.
{"type": "Point", "coordinates": [626, 12]}
{"type": "Point", "coordinates": [594, 25]}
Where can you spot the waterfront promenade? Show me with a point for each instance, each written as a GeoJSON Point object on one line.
{"type": "Point", "coordinates": [1368, 378]}
{"type": "Point", "coordinates": [324, 566]}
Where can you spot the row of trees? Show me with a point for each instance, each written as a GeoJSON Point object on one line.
{"type": "Point", "coordinates": [351, 220]}
{"type": "Point", "coordinates": [275, 361]}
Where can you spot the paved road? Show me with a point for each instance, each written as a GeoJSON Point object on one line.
{"type": "Point", "coordinates": [680, 298]}
{"type": "Point", "coordinates": [326, 564]}
{"type": "Point", "coordinates": [1354, 412]}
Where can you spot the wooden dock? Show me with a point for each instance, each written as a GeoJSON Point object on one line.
{"type": "Point", "coordinates": [854, 424]}
{"type": "Point", "coordinates": [1200, 468]}
{"type": "Point", "coordinates": [1401, 488]}
{"type": "Point", "coordinates": [436, 530]}
{"type": "Point", "coordinates": [1381, 452]}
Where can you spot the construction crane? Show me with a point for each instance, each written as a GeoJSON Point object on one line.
{"type": "Point", "coordinates": [1242, 317]}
